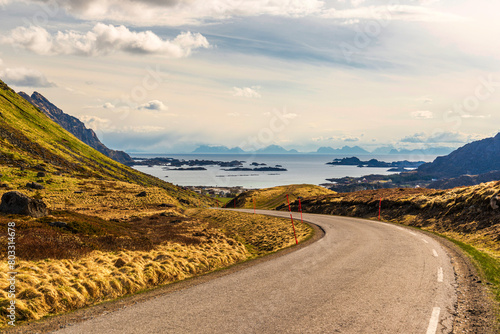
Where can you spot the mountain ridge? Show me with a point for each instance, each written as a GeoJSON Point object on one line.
{"type": "Point", "coordinates": [74, 126]}
{"type": "Point", "coordinates": [30, 142]}
{"type": "Point", "coordinates": [478, 157]}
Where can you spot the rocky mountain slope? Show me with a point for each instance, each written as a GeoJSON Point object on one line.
{"type": "Point", "coordinates": [74, 126]}
{"type": "Point", "coordinates": [476, 158]}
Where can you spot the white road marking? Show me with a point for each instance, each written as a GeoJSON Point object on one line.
{"type": "Point", "coordinates": [425, 241]}
{"type": "Point", "coordinates": [434, 253]}
{"type": "Point", "coordinates": [440, 275]}
{"type": "Point", "coordinates": [413, 233]}
{"type": "Point", "coordinates": [433, 323]}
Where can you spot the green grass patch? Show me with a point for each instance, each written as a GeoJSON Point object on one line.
{"type": "Point", "coordinates": [488, 267]}
{"type": "Point", "coordinates": [224, 200]}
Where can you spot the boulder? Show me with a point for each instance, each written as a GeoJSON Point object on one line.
{"type": "Point", "coordinates": [142, 194]}
{"type": "Point", "coordinates": [494, 201]}
{"type": "Point", "coordinates": [14, 202]}
{"type": "Point", "coordinates": [34, 185]}
{"type": "Point", "coordinates": [119, 263]}
{"type": "Point", "coordinates": [40, 174]}
{"type": "Point", "coordinates": [165, 205]}
{"type": "Point", "coordinates": [59, 224]}
{"type": "Point", "coordinates": [62, 225]}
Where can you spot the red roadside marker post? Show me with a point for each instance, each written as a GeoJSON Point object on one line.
{"type": "Point", "coordinates": [300, 209]}
{"type": "Point", "coordinates": [291, 217]}
{"type": "Point", "coordinates": [379, 208]}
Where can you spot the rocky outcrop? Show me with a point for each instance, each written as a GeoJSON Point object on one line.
{"type": "Point", "coordinates": [34, 185]}
{"type": "Point", "coordinates": [17, 203]}
{"type": "Point", "coordinates": [74, 126]}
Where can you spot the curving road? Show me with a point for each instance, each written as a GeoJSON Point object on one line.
{"type": "Point", "coordinates": [361, 277]}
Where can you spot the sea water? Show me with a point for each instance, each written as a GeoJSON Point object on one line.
{"type": "Point", "coordinates": [301, 169]}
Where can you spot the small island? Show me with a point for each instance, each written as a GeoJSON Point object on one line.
{"type": "Point", "coordinates": [188, 168]}
{"type": "Point", "coordinates": [172, 162]}
{"type": "Point", "coordinates": [258, 169]}
{"type": "Point", "coordinates": [396, 166]}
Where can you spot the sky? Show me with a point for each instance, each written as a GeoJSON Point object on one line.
{"type": "Point", "coordinates": [164, 76]}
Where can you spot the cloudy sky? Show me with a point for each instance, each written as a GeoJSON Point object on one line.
{"type": "Point", "coordinates": [164, 76]}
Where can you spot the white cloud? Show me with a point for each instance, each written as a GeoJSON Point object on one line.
{"type": "Point", "coordinates": [475, 116]}
{"type": "Point", "coordinates": [422, 114]}
{"type": "Point", "coordinates": [289, 115]}
{"type": "Point", "coordinates": [154, 105]}
{"type": "Point", "coordinates": [96, 123]}
{"type": "Point", "coordinates": [25, 77]}
{"type": "Point", "coordinates": [108, 105]}
{"type": "Point", "coordinates": [388, 13]}
{"type": "Point", "coordinates": [351, 140]}
{"type": "Point", "coordinates": [347, 139]}
{"type": "Point", "coordinates": [141, 129]}
{"type": "Point", "coordinates": [4, 2]}
{"type": "Point", "coordinates": [249, 92]}
{"type": "Point", "coordinates": [183, 12]}
{"type": "Point", "coordinates": [441, 137]}
{"type": "Point", "coordinates": [104, 125]}
{"type": "Point", "coordinates": [104, 39]}
{"type": "Point", "coordinates": [233, 114]}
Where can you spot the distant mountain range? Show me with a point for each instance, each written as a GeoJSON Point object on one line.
{"type": "Point", "coordinates": [272, 149]}
{"type": "Point", "coordinates": [74, 126]}
{"type": "Point", "coordinates": [346, 150]}
{"type": "Point", "coordinates": [206, 149]}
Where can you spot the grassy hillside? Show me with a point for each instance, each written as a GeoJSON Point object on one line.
{"type": "Point", "coordinates": [31, 141]}
{"type": "Point", "coordinates": [270, 198]}
{"type": "Point", "coordinates": [465, 211]}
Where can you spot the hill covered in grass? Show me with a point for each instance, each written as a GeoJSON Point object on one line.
{"type": "Point", "coordinates": [74, 126]}
{"type": "Point", "coordinates": [30, 141]}
{"type": "Point", "coordinates": [270, 198]}
{"type": "Point", "coordinates": [470, 214]}
{"type": "Point", "coordinates": [479, 157]}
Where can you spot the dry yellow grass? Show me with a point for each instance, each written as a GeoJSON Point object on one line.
{"type": "Point", "coordinates": [53, 286]}
{"type": "Point", "coordinates": [464, 214]}
{"type": "Point", "coordinates": [101, 198]}
{"type": "Point", "coordinates": [271, 198]}
{"type": "Point", "coordinates": [262, 234]}
{"type": "Point", "coordinates": [56, 286]}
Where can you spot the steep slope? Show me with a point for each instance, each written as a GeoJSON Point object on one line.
{"type": "Point", "coordinates": [30, 140]}
{"type": "Point", "coordinates": [74, 126]}
{"type": "Point", "coordinates": [478, 157]}
{"type": "Point", "coordinates": [270, 198]}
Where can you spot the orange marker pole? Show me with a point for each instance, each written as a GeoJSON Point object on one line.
{"type": "Point", "coordinates": [291, 217]}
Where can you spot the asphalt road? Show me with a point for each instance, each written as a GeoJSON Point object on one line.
{"type": "Point", "coordinates": [361, 277]}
